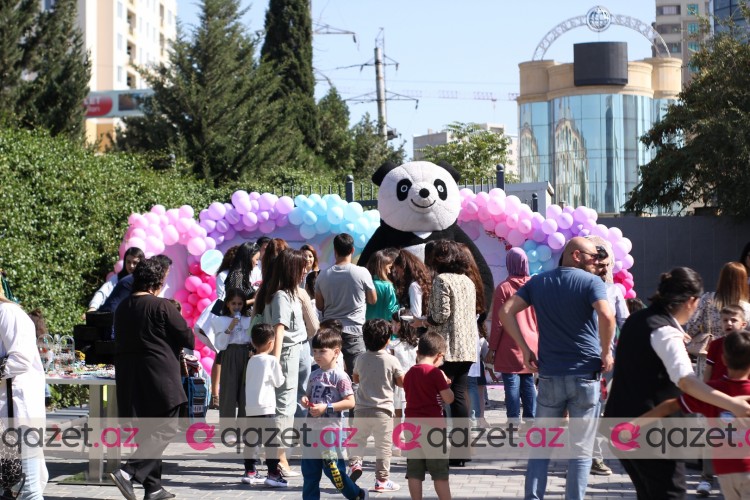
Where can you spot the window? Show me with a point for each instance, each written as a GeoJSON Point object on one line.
{"type": "Point", "coordinates": [119, 41]}
{"type": "Point", "coordinates": [668, 10]}
{"type": "Point", "coordinates": [693, 28]}
{"type": "Point", "coordinates": [667, 29]}
{"type": "Point", "coordinates": [119, 73]}
{"type": "Point", "coordinates": [675, 47]}
{"type": "Point", "coordinates": [119, 10]}
{"type": "Point", "coordinates": [692, 9]}
{"type": "Point", "coordinates": [693, 46]}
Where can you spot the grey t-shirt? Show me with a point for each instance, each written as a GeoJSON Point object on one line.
{"type": "Point", "coordinates": [287, 310]}
{"type": "Point", "coordinates": [377, 373]}
{"type": "Point", "coordinates": [343, 290]}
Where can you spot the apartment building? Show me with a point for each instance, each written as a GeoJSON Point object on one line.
{"type": "Point", "coordinates": [679, 25]}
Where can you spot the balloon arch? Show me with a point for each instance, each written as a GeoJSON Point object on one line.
{"type": "Point", "coordinates": [494, 221]}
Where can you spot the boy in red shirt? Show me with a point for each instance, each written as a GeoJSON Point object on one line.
{"type": "Point", "coordinates": [426, 387]}
{"type": "Point", "coordinates": [732, 320]}
{"type": "Point", "coordinates": [734, 473]}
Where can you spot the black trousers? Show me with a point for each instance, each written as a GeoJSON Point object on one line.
{"type": "Point", "coordinates": [458, 372]}
{"type": "Point", "coordinates": [657, 479]}
{"type": "Point", "coordinates": [154, 435]}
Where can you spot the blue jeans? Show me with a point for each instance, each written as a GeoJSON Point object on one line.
{"type": "Point", "coordinates": [579, 394]}
{"type": "Point", "coordinates": [32, 462]}
{"type": "Point", "coordinates": [519, 388]}
{"type": "Point", "coordinates": [305, 365]}
{"type": "Point", "coordinates": [311, 473]}
{"type": "Point", "coordinates": [476, 395]}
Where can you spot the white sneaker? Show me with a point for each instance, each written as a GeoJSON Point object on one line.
{"type": "Point", "coordinates": [387, 485]}
{"type": "Point", "coordinates": [703, 489]}
{"type": "Point", "coordinates": [253, 478]}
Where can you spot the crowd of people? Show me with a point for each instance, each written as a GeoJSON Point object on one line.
{"type": "Point", "coordinates": [397, 338]}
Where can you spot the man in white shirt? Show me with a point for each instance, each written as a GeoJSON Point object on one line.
{"type": "Point", "coordinates": [342, 292]}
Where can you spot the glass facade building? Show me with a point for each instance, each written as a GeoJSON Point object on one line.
{"type": "Point", "coordinates": [585, 141]}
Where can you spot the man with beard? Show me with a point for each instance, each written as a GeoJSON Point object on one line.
{"type": "Point", "coordinates": [576, 326]}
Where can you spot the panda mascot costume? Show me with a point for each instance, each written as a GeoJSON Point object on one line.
{"type": "Point", "coordinates": [418, 203]}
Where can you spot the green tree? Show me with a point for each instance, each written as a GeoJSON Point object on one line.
{"type": "Point", "coordinates": [371, 150]}
{"type": "Point", "coordinates": [287, 49]}
{"type": "Point", "coordinates": [336, 140]}
{"type": "Point", "coordinates": [473, 151]}
{"type": "Point", "coordinates": [18, 20]}
{"type": "Point", "coordinates": [702, 145]}
{"type": "Point", "coordinates": [212, 103]}
{"type": "Point", "coordinates": [53, 99]}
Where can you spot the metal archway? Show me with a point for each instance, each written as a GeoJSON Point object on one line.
{"type": "Point", "coordinates": [644, 29]}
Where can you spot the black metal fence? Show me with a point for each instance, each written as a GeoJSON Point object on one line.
{"type": "Point", "coordinates": [366, 193]}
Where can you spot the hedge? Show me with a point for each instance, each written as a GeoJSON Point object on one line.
{"type": "Point", "coordinates": [63, 212]}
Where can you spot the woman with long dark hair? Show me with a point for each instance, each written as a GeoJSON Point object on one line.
{"type": "Point", "coordinates": [653, 366]}
{"type": "Point", "coordinates": [239, 272]}
{"type": "Point", "coordinates": [279, 306]}
{"type": "Point", "coordinates": [130, 260]}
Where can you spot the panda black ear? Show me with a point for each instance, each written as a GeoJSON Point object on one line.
{"type": "Point", "coordinates": [379, 175]}
{"type": "Point", "coordinates": [449, 168]}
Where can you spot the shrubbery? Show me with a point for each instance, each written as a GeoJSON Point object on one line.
{"type": "Point", "coordinates": [63, 212]}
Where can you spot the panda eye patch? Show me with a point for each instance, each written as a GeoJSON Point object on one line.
{"type": "Point", "coordinates": [442, 190]}
{"type": "Point", "coordinates": [402, 189]}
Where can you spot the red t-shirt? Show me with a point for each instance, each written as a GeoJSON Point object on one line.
{"type": "Point", "coordinates": [713, 358]}
{"type": "Point", "coordinates": [730, 387]}
{"type": "Point", "coordinates": [423, 384]}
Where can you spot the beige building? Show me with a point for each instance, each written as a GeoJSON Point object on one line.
{"type": "Point", "coordinates": [432, 138]}
{"type": "Point", "coordinates": [579, 129]}
{"type": "Point", "coordinates": [118, 35]}
{"type": "Point", "coordinates": [677, 21]}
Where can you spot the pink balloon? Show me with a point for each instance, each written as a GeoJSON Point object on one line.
{"type": "Point", "coordinates": [187, 211]}
{"type": "Point", "coordinates": [549, 226]}
{"type": "Point", "coordinates": [501, 229]}
{"type": "Point", "coordinates": [216, 210]}
{"type": "Point", "coordinates": [192, 283]}
{"type": "Point", "coordinates": [204, 303]}
{"type": "Point", "coordinates": [515, 238]}
{"type": "Point", "coordinates": [196, 246]}
{"type": "Point", "coordinates": [139, 233]}
{"type": "Point", "coordinates": [556, 241]}
{"type": "Point", "coordinates": [553, 211]}
{"type": "Point", "coordinates": [524, 226]}
{"type": "Point", "coordinates": [118, 266]}
{"type": "Point", "coordinates": [136, 242]}
{"type": "Point", "coordinates": [171, 235]}
{"type": "Point", "coordinates": [204, 351]}
{"type": "Point", "coordinates": [203, 290]}
{"type": "Point", "coordinates": [195, 268]}
{"type": "Point", "coordinates": [512, 221]}
{"type": "Point", "coordinates": [284, 205]}
{"type": "Point", "coordinates": [193, 299]}
{"type": "Point", "coordinates": [158, 209]}
{"type": "Point", "coordinates": [187, 309]}
{"type": "Point", "coordinates": [564, 220]}
{"type": "Point", "coordinates": [181, 295]}
{"type": "Point", "coordinates": [207, 363]}
{"type": "Point", "coordinates": [627, 261]}
{"type": "Point", "coordinates": [630, 294]}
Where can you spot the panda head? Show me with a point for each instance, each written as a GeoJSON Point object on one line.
{"type": "Point", "coordinates": [418, 196]}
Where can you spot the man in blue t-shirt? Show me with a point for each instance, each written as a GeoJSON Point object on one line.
{"type": "Point", "coordinates": [576, 327]}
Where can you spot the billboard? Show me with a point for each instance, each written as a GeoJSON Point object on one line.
{"type": "Point", "coordinates": [116, 103]}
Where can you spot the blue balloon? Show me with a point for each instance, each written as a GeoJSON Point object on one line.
{"type": "Point", "coordinates": [322, 226]}
{"type": "Point", "coordinates": [335, 215]}
{"type": "Point", "coordinates": [299, 199]}
{"type": "Point", "coordinates": [529, 245]}
{"type": "Point", "coordinates": [535, 268]}
{"type": "Point", "coordinates": [320, 207]}
{"type": "Point", "coordinates": [307, 232]}
{"type": "Point", "coordinates": [544, 252]}
{"type": "Point", "coordinates": [533, 255]}
{"type": "Point", "coordinates": [309, 218]}
{"type": "Point", "coordinates": [295, 216]}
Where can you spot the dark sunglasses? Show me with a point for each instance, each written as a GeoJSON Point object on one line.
{"type": "Point", "coordinates": [601, 253]}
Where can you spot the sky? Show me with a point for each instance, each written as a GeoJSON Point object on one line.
{"type": "Point", "coordinates": [460, 59]}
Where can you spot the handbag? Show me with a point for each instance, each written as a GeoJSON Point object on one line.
{"type": "Point", "coordinates": [698, 345]}
{"type": "Point", "coordinates": [11, 471]}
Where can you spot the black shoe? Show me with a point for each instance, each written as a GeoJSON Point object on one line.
{"type": "Point", "coordinates": [124, 485]}
{"type": "Point", "coordinates": [457, 462]}
{"type": "Point", "coordinates": [161, 494]}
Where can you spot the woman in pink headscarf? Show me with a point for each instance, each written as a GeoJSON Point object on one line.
{"type": "Point", "coordinates": [504, 353]}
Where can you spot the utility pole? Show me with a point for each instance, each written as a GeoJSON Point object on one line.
{"type": "Point", "coordinates": [380, 92]}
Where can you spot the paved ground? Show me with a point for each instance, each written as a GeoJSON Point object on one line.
{"type": "Point", "coordinates": [214, 480]}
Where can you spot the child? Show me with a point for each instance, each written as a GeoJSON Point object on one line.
{"type": "Point", "coordinates": [423, 383]}
{"type": "Point", "coordinates": [404, 348]}
{"type": "Point", "coordinates": [732, 320]}
{"type": "Point", "coordinates": [232, 338]}
{"type": "Point", "coordinates": [379, 266]}
{"type": "Point", "coordinates": [329, 392]}
{"type": "Point", "coordinates": [261, 380]}
{"type": "Point", "coordinates": [478, 384]}
{"type": "Point", "coordinates": [734, 473]}
{"type": "Point", "coordinates": [378, 373]}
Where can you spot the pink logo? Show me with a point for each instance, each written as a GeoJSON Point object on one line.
{"type": "Point", "coordinates": [631, 441]}
{"type": "Point", "coordinates": [208, 435]}
{"type": "Point", "coordinates": [398, 436]}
